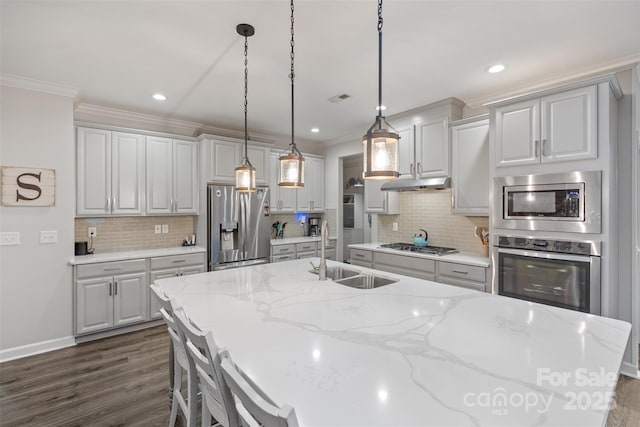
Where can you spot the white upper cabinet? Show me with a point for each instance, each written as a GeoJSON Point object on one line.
{"type": "Point", "coordinates": [553, 128]}
{"type": "Point", "coordinates": [470, 168]}
{"type": "Point", "coordinates": [432, 148]}
{"type": "Point", "coordinates": [283, 200]}
{"type": "Point", "coordinates": [172, 176]}
{"type": "Point", "coordinates": [406, 152]}
{"type": "Point", "coordinates": [110, 172]}
{"type": "Point", "coordinates": [259, 158]}
{"type": "Point", "coordinates": [225, 157]}
{"type": "Point", "coordinates": [378, 201]}
{"type": "Point", "coordinates": [311, 197]}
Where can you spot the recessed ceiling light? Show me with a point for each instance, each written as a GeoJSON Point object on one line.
{"type": "Point", "coordinates": [381, 107]}
{"type": "Point", "coordinates": [315, 130]}
{"type": "Point", "coordinates": [159, 97]}
{"type": "Point", "coordinates": [496, 68]}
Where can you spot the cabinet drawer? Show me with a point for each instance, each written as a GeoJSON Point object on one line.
{"type": "Point", "coordinates": [285, 257]}
{"type": "Point", "coordinates": [110, 268]}
{"type": "Point", "coordinates": [476, 286]}
{"type": "Point", "coordinates": [361, 255]}
{"type": "Point", "coordinates": [462, 271]}
{"type": "Point", "coordinates": [283, 249]}
{"type": "Point", "coordinates": [176, 261]}
{"type": "Point", "coordinates": [306, 247]}
{"type": "Point", "coordinates": [404, 262]}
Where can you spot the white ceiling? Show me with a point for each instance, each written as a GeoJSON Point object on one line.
{"type": "Point", "coordinates": [118, 53]}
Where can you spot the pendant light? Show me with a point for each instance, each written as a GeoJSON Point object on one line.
{"type": "Point", "coordinates": [245, 173]}
{"type": "Point", "coordinates": [381, 140]}
{"type": "Point", "coordinates": [292, 163]}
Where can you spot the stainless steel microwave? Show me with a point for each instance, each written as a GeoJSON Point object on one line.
{"type": "Point", "coordinates": [569, 202]}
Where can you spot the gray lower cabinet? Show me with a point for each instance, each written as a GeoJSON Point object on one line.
{"type": "Point", "coordinates": [307, 250]}
{"type": "Point", "coordinates": [362, 258]}
{"type": "Point", "coordinates": [172, 266]}
{"type": "Point", "coordinates": [421, 268]}
{"type": "Point", "coordinates": [110, 294]}
{"type": "Point", "coordinates": [467, 276]}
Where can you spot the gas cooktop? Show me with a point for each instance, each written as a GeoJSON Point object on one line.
{"type": "Point", "coordinates": [409, 247]}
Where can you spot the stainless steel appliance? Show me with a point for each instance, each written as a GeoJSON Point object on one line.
{"type": "Point", "coordinates": [569, 202]}
{"type": "Point", "coordinates": [314, 226]}
{"type": "Point", "coordinates": [238, 227]}
{"type": "Point", "coordinates": [410, 247]}
{"type": "Point", "coordinates": [562, 273]}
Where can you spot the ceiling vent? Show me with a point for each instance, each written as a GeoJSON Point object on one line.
{"type": "Point", "coordinates": [339, 98]}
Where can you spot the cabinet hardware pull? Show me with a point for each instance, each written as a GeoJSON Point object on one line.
{"type": "Point", "coordinates": [179, 260]}
{"type": "Point", "coordinates": [115, 288]}
{"type": "Point", "coordinates": [411, 168]}
{"type": "Point", "coordinates": [359, 255]}
{"type": "Point", "coordinates": [544, 147]}
{"type": "Point", "coordinates": [108, 204]}
{"type": "Point", "coordinates": [419, 168]}
{"type": "Point", "coordinates": [459, 272]}
{"type": "Point", "coordinates": [537, 148]}
{"type": "Point", "coordinates": [112, 268]}
{"type": "Point", "coordinates": [110, 288]}
{"type": "Point", "coordinates": [113, 204]}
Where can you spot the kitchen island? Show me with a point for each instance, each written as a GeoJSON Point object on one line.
{"type": "Point", "coordinates": [410, 353]}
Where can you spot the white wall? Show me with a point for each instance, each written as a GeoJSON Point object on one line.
{"type": "Point", "coordinates": [35, 280]}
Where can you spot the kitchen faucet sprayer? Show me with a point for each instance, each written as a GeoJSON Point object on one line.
{"type": "Point", "coordinates": [324, 241]}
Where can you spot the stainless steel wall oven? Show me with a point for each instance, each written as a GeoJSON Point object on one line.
{"type": "Point", "coordinates": [566, 202]}
{"type": "Point", "coordinates": [561, 273]}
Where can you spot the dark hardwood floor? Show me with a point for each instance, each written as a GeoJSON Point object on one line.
{"type": "Point", "coordinates": [123, 381]}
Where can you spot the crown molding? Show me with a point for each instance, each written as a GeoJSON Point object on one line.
{"type": "Point", "coordinates": [621, 64]}
{"type": "Point", "coordinates": [114, 116]}
{"type": "Point", "coordinates": [35, 85]}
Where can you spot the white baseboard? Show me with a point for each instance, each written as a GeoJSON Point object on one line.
{"type": "Point", "coordinates": [36, 348]}
{"type": "Point", "coordinates": [629, 370]}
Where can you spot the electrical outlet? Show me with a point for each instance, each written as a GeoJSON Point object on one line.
{"type": "Point", "coordinates": [9, 238]}
{"type": "Point", "coordinates": [157, 229]}
{"type": "Point", "coordinates": [48, 236]}
{"type": "Point", "coordinates": [165, 228]}
{"type": "Point", "coordinates": [93, 232]}
{"type": "Point", "coordinates": [395, 226]}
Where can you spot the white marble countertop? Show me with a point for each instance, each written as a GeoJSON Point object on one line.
{"type": "Point", "coordinates": [411, 353]}
{"type": "Point", "coordinates": [293, 240]}
{"type": "Point", "coordinates": [461, 258]}
{"type": "Point", "coordinates": [145, 253]}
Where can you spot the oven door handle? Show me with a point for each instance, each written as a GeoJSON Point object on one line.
{"type": "Point", "coordinates": [545, 255]}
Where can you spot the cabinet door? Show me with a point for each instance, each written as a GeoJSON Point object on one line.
{"type": "Point", "coordinates": [303, 195]}
{"type": "Point", "coordinates": [127, 173]}
{"type": "Point", "coordinates": [130, 299]}
{"type": "Point", "coordinates": [518, 134]}
{"type": "Point", "coordinates": [378, 201]}
{"type": "Point", "coordinates": [185, 177]}
{"type": "Point", "coordinates": [282, 200]}
{"type": "Point", "coordinates": [316, 184]}
{"type": "Point", "coordinates": [406, 152]}
{"type": "Point", "coordinates": [432, 148]}
{"type": "Point", "coordinates": [93, 170]}
{"type": "Point", "coordinates": [194, 269]}
{"type": "Point", "coordinates": [569, 125]}
{"type": "Point", "coordinates": [259, 158]}
{"type": "Point", "coordinates": [470, 168]}
{"type": "Point", "coordinates": [159, 175]}
{"type": "Point", "coordinates": [154, 307]}
{"type": "Point", "coordinates": [225, 157]}
{"type": "Point", "coordinates": [94, 304]}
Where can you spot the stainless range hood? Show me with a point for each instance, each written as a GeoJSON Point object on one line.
{"type": "Point", "coordinates": [415, 184]}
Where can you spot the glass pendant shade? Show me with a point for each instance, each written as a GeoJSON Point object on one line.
{"type": "Point", "coordinates": [246, 177]}
{"type": "Point", "coordinates": [291, 171]}
{"type": "Point", "coordinates": [380, 151]}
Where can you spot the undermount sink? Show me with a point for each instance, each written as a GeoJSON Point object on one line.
{"type": "Point", "coordinates": [337, 273]}
{"type": "Point", "coordinates": [366, 281]}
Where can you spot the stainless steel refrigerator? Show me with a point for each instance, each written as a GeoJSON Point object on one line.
{"type": "Point", "coordinates": [238, 227]}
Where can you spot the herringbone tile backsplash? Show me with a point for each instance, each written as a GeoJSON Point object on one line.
{"type": "Point", "coordinates": [431, 210]}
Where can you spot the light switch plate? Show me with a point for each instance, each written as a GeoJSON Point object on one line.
{"type": "Point", "coordinates": [48, 236]}
{"type": "Point", "coordinates": [395, 226]}
{"type": "Point", "coordinates": [92, 232]}
{"type": "Point", "coordinates": [157, 229]}
{"type": "Point", "coordinates": [165, 228]}
{"type": "Point", "coordinates": [9, 238]}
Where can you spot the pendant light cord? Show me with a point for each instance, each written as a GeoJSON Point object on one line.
{"type": "Point", "coordinates": [292, 76]}
{"type": "Point", "coordinates": [379, 60]}
{"type": "Point", "coordinates": [246, 90]}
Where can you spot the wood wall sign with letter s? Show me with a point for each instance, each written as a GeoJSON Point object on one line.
{"type": "Point", "coordinates": [28, 186]}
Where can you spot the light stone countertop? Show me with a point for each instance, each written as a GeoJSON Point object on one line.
{"type": "Point", "coordinates": [460, 258]}
{"type": "Point", "coordinates": [145, 253]}
{"type": "Point", "coordinates": [411, 353]}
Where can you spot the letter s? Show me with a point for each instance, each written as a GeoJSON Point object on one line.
{"type": "Point", "coordinates": [28, 186]}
